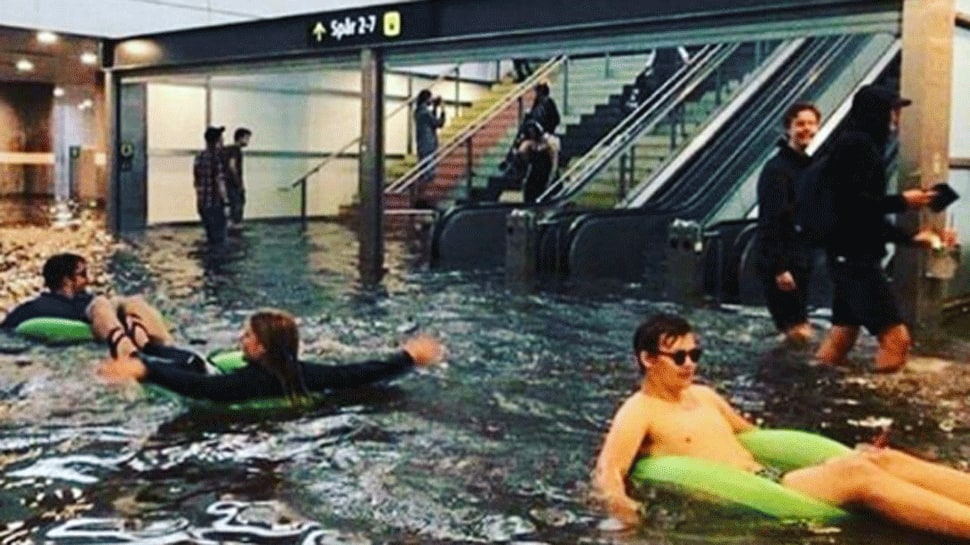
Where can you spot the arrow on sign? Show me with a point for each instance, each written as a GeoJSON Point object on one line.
{"type": "Point", "coordinates": [319, 31]}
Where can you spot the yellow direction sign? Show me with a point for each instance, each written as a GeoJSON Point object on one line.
{"type": "Point", "coordinates": [319, 32]}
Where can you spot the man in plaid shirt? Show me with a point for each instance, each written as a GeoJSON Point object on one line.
{"type": "Point", "coordinates": [210, 186]}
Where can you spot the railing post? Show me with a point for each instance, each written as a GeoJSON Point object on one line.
{"type": "Point", "coordinates": [717, 87]}
{"type": "Point", "coordinates": [565, 87]}
{"type": "Point", "coordinates": [457, 90]}
{"type": "Point", "coordinates": [303, 214]}
{"type": "Point", "coordinates": [521, 110]}
{"type": "Point", "coordinates": [410, 118]}
{"type": "Point", "coordinates": [633, 170]}
{"type": "Point", "coordinates": [621, 186]}
{"type": "Point", "coordinates": [469, 173]}
{"type": "Point", "coordinates": [672, 117]}
{"type": "Point", "coordinates": [606, 65]}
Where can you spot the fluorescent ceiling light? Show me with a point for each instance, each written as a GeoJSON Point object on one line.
{"type": "Point", "coordinates": [25, 66]}
{"type": "Point", "coordinates": [46, 37]}
{"type": "Point", "coordinates": [89, 58]}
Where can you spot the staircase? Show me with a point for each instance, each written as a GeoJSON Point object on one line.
{"type": "Point", "coordinates": [596, 87]}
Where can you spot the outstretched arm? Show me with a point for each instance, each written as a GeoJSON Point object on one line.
{"type": "Point", "coordinates": [627, 432]}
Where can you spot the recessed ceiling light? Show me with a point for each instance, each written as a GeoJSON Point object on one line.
{"type": "Point", "coordinates": [89, 58]}
{"type": "Point", "coordinates": [46, 37]}
{"type": "Point", "coordinates": [88, 103]}
{"type": "Point", "coordinates": [25, 66]}
{"type": "Point", "coordinates": [58, 91]}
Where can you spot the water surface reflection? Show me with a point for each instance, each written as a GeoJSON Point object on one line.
{"type": "Point", "coordinates": [495, 447]}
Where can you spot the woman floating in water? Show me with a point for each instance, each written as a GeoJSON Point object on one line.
{"type": "Point", "coordinates": [270, 346]}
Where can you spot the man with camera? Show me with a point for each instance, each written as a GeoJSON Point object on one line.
{"type": "Point", "coordinates": [428, 118]}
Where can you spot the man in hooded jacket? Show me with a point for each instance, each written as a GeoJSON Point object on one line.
{"type": "Point", "coordinates": [862, 294]}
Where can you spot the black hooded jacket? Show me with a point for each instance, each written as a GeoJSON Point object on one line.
{"type": "Point", "coordinates": [858, 173]}
{"type": "Point", "coordinates": [779, 246]}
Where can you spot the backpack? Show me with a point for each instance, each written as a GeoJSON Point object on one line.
{"type": "Point", "coordinates": [814, 215]}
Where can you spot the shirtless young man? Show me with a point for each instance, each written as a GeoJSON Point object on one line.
{"type": "Point", "coordinates": [671, 416]}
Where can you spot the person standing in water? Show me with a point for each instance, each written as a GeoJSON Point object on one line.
{"type": "Point", "coordinates": [784, 259]}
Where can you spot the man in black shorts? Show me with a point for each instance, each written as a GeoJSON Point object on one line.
{"type": "Point", "coordinates": [862, 295]}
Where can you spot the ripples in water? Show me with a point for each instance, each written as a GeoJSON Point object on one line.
{"type": "Point", "coordinates": [496, 446]}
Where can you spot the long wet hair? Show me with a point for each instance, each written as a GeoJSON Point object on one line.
{"type": "Point", "coordinates": [277, 331]}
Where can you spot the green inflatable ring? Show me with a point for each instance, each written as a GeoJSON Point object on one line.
{"type": "Point", "coordinates": [227, 362]}
{"type": "Point", "coordinates": [783, 449]}
{"type": "Point", "coordinates": [56, 330]}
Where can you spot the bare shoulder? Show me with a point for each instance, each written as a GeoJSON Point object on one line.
{"type": "Point", "coordinates": [636, 409]}
{"type": "Point", "coordinates": [705, 393]}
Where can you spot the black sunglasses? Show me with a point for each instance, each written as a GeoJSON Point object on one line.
{"type": "Point", "coordinates": [680, 356]}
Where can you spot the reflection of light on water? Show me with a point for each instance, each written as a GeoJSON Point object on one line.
{"type": "Point", "coordinates": [58, 468]}
{"type": "Point", "coordinates": [234, 520]}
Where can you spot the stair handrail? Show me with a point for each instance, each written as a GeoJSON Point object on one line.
{"type": "Point", "coordinates": [404, 183]}
{"type": "Point", "coordinates": [647, 114]}
{"type": "Point", "coordinates": [769, 67]}
{"type": "Point", "coordinates": [406, 104]}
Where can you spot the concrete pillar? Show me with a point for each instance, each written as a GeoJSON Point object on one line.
{"type": "Point", "coordinates": [371, 181]}
{"type": "Point", "coordinates": [924, 143]}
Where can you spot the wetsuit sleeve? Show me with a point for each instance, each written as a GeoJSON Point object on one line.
{"type": "Point", "coordinates": [320, 377]}
{"type": "Point", "coordinates": [241, 385]}
{"type": "Point", "coordinates": [772, 201]}
{"type": "Point", "coordinates": [18, 315]}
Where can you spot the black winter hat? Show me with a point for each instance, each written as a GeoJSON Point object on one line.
{"type": "Point", "coordinates": [875, 98]}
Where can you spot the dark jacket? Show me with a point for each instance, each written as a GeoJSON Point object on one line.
{"type": "Point", "coordinates": [779, 248]}
{"type": "Point", "coordinates": [858, 172]}
{"type": "Point", "coordinates": [50, 305]}
{"type": "Point", "coordinates": [546, 113]}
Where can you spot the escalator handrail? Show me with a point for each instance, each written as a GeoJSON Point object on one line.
{"type": "Point", "coordinates": [834, 120]}
{"type": "Point", "coordinates": [769, 68]}
{"type": "Point", "coordinates": [576, 176]}
{"type": "Point", "coordinates": [772, 106]}
{"type": "Point", "coordinates": [762, 111]}
{"type": "Point", "coordinates": [659, 213]}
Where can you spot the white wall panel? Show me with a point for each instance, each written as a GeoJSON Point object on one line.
{"type": "Point", "coordinates": [960, 113]}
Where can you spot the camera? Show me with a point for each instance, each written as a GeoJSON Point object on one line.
{"type": "Point", "coordinates": [436, 100]}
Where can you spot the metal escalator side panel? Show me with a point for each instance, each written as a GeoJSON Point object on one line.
{"type": "Point", "coordinates": [713, 172]}
{"type": "Point", "coordinates": [624, 247]}
{"type": "Point", "coordinates": [834, 102]}
{"type": "Point", "coordinates": [471, 237]}
{"type": "Point", "coordinates": [771, 66]}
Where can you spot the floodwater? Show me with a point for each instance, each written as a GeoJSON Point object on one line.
{"type": "Point", "coordinates": [494, 447]}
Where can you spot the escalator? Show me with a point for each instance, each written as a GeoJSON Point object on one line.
{"type": "Point", "coordinates": [474, 235]}
{"type": "Point", "coordinates": [629, 245]}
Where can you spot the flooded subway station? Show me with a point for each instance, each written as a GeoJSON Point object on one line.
{"type": "Point", "coordinates": [496, 446]}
